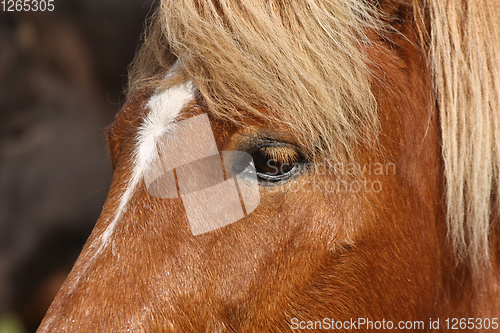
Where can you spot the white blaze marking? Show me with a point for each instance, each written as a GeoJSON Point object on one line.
{"type": "Point", "coordinates": [164, 108]}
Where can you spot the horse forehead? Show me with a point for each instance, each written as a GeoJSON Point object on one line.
{"type": "Point", "coordinates": [149, 117]}
{"type": "Point", "coordinates": [159, 123]}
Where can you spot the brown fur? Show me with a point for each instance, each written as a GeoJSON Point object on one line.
{"type": "Point", "coordinates": [255, 55]}
{"type": "Point", "coordinates": [307, 254]}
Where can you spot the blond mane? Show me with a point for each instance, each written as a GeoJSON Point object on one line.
{"type": "Point", "coordinates": [465, 58]}
{"type": "Point", "coordinates": [288, 59]}
{"type": "Point", "coordinates": [303, 62]}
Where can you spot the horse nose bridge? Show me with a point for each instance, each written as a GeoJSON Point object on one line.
{"type": "Point", "coordinates": [113, 277]}
{"type": "Point", "coordinates": [114, 269]}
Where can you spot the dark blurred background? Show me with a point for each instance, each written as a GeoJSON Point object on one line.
{"type": "Point", "coordinates": [62, 74]}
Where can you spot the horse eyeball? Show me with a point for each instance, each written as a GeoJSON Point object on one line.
{"type": "Point", "coordinates": [274, 164]}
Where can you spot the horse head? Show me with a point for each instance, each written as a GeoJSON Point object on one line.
{"type": "Point", "coordinates": [286, 165]}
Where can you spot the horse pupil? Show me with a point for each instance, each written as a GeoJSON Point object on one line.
{"type": "Point", "coordinates": [268, 165]}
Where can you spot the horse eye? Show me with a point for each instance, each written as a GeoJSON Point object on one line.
{"type": "Point", "coordinates": [276, 164]}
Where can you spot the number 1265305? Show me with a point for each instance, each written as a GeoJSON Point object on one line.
{"type": "Point", "coordinates": [27, 5]}
{"type": "Point", "coordinates": [471, 323]}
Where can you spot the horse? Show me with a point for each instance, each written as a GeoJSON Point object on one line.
{"type": "Point", "coordinates": [292, 165]}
